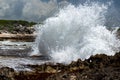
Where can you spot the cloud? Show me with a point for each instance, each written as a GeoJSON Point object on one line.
{"type": "Point", "coordinates": [10, 9]}
{"type": "Point", "coordinates": [35, 10]}
{"type": "Point", "coordinates": [32, 10]}
{"type": "Point", "coordinates": [38, 10]}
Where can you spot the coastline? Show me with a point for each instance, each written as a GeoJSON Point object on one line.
{"type": "Point", "coordinates": [97, 67]}
{"type": "Point", "coordinates": [17, 37]}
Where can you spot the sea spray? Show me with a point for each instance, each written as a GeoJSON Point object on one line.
{"type": "Point", "coordinates": [76, 32]}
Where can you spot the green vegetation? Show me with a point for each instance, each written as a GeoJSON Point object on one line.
{"type": "Point", "coordinates": [10, 25]}
{"type": "Point", "coordinates": [16, 22]}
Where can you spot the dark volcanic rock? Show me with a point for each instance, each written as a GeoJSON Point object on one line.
{"type": "Point", "coordinates": [6, 73]}
{"type": "Point", "coordinates": [98, 67]}
{"type": "Point", "coordinates": [31, 76]}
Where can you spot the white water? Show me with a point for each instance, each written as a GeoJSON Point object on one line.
{"type": "Point", "coordinates": [76, 32]}
{"type": "Point", "coordinates": [15, 45]}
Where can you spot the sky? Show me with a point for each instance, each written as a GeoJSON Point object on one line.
{"type": "Point", "coordinates": [37, 10]}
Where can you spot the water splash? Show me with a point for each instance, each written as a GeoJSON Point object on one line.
{"type": "Point", "coordinates": [76, 32]}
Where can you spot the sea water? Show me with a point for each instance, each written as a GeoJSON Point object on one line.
{"type": "Point", "coordinates": [76, 32]}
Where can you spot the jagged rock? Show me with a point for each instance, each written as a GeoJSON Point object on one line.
{"type": "Point", "coordinates": [23, 30]}
{"type": "Point", "coordinates": [98, 67]}
{"type": "Point", "coordinates": [7, 73]}
{"type": "Point", "coordinates": [49, 69]}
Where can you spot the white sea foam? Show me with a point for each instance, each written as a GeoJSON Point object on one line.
{"type": "Point", "coordinates": [76, 32]}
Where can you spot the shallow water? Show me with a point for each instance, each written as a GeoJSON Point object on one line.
{"type": "Point", "coordinates": [15, 55]}
{"type": "Point", "coordinates": [15, 45]}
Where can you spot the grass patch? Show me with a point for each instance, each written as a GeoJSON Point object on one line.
{"type": "Point", "coordinates": [9, 25]}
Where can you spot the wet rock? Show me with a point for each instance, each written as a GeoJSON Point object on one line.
{"type": "Point", "coordinates": [73, 77]}
{"type": "Point", "coordinates": [99, 61]}
{"type": "Point", "coordinates": [31, 76]}
{"type": "Point", "coordinates": [49, 69]}
{"type": "Point", "coordinates": [6, 73]}
{"type": "Point", "coordinates": [98, 67]}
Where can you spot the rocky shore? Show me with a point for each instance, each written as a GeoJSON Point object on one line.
{"type": "Point", "coordinates": [98, 67]}
{"type": "Point", "coordinates": [17, 30]}
{"type": "Point", "coordinates": [17, 37]}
